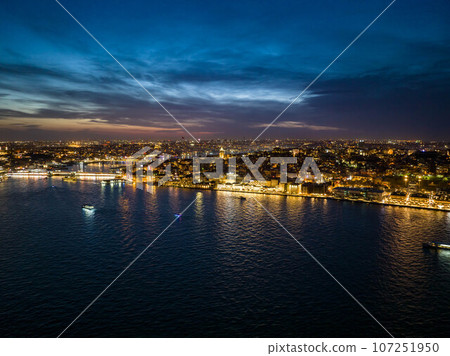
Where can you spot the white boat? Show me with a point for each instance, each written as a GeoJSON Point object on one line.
{"type": "Point", "coordinates": [88, 207]}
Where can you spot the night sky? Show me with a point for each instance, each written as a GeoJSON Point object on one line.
{"type": "Point", "coordinates": [225, 69]}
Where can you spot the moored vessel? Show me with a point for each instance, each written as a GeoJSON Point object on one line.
{"type": "Point", "coordinates": [436, 245]}
{"type": "Point", "coordinates": [69, 179]}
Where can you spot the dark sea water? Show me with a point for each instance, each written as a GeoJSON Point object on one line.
{"type": "Point", "coordinates": [225, 269]}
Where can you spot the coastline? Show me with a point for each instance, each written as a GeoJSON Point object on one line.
{"type": "Point", "coordinates": [308, 196]}
{"type": "Point", "coordinates": [313, 196]}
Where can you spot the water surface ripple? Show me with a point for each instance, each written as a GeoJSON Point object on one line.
{"type": "Point", "coordinates": [225, 269]}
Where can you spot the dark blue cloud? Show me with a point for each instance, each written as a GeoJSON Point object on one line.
{"type": "Point", "coordinates": [216, 65]}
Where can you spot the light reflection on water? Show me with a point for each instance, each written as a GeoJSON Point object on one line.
{"type": "Point", "coordinates": [224, 269]}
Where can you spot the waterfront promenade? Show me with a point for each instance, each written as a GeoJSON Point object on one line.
{"type": "Point", "coordinates": [233, 188]}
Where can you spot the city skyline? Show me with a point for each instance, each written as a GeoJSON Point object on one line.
{"type": "Point", "coordinates": [224, 70]}
{"type": "Point", "coordinates": [273, 173]}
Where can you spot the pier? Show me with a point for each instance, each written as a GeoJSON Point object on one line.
{"type": "Point", "coordinates": [77, 175]}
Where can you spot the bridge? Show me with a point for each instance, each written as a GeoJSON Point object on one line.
{"type": "Point", "coordinates": [88, 161]}
{"type": "Point", "coordinates": [77, 175]}
{"type": "Point", "coordinates": [113, 162]}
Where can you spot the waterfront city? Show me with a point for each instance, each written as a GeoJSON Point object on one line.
{"type": "Point", "coordinates": [405, 173]}
{"type": "Point", "coordinates": [224, 177]}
